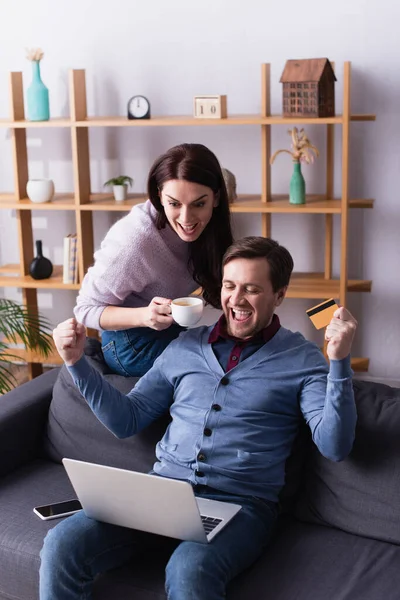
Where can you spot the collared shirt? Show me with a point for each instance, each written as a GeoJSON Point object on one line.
{"type": "Point", "coordinates": [230, 350]}
{"type": "Point", "coordinates": [231, 431]}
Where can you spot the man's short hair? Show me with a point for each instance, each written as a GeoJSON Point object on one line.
{"type": "Point", "coordinates": [279, 258]}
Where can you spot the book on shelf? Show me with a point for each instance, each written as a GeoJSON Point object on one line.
{"type": "Point", "coordinates": [70, 262]}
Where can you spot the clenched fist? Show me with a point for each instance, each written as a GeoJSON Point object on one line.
{"type": "Point", "coordinates": [69, 338]}
{"type": "Point", "coordinates": [340, 333]}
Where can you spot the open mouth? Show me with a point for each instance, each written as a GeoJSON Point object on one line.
{"type": "Point", "coordinates": [240, 316]}
{"type": "Point", "coordinates": [188, 229]}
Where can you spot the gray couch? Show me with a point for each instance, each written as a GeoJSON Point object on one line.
{"type": "Point", "coordinates": [338, 537]}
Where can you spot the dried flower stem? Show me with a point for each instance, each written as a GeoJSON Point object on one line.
{"type": "Point", "coordinates": [34, 54]}
{"type": "Point", "coordinates": [302, 149]}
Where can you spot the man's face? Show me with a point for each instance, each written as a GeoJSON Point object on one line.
{"type": "Point", "coordinates": [247, 297]}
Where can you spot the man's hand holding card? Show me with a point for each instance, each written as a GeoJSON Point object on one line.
{"type": "Point", "coordinates": [340, 327]}
{"type": "Point", "coordinates": [340, 334]}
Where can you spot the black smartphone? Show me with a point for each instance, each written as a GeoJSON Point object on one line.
{"type": "Point", "coordinates": [58, 509]}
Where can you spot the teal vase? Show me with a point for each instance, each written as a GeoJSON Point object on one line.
{"type": "Point", "coordinates": [37, 96]}
{"type": "Point", "coordinates": [297, 193]}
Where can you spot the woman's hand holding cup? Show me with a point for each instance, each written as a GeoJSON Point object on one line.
{"type": "Point", "coordinates": [158, 314]}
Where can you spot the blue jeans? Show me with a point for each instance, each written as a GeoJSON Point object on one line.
{"type": "Point", "coordinates": [79, 548]}
{"type": "Point", "coordinates": [132, 352]}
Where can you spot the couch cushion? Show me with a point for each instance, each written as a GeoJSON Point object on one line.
{"type": "Point", "coordinates": [21, 531]}
{"type": "Point", "coordinates": [74, 432]}
{"type": "Point", "coordinates": [360, 494]}
{"type": "Point", "coordinates": [309, 562]}
{"type": "Point", "coordinates": [22, 534]}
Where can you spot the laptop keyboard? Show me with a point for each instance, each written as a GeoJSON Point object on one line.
{"type": "Point", "coordinates": [209, 523]}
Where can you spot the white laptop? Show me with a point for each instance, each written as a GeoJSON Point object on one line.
{"type": "Point", "coordinates": [147, 502]}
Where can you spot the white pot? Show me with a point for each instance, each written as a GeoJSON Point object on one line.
{"type": "Point", "coordinates": [120, 192]}
{"type": "Point", "coordinates": [40, 190]}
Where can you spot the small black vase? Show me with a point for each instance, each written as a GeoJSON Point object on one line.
{"type": "Point", "coordinates": [40, 267]}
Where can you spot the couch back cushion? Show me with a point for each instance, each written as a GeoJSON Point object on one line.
{"type": "Point", "coordinates": [74, 432]}
{"type": "Point", "coordinates": [361, 494]}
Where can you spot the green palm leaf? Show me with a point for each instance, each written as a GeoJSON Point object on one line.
{"type": "Point", "coordinates": [20, 325]}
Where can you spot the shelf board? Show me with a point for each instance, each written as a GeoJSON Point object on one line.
{"type": "Point", "coordinates": [107, 202]}
{"type": "Point", "coordinates": [360, 365]}
{"type": "Point", "coordinates": [25, 124]}
{"type": "Point", "coordinates": [176, 121]}
{"type": "Point", "coordinates": [59, 202]}
{"type": "Point", "coordinates": [280, 204]}
{"type": "Point", "coordinates": [361, 203]}
{"type": "Point", "coordinates": [314, 285]}
{"type": "Point", "coordinates": [168, 121]}
{"type": "Point", "coordinates": [363, 117]}
{"type": "Point", "coordinates": [336, 120]}
{"type": "Point", "coordinates": [245, 203]}
{"type": "Point", "coordinates": [302, 285]}
{"type": "Point", "coordinates": [6, 199]}
{"type": "Point", "coordinates": [35, 357]}
{"type": "Point", "coordinates": [10, 276]}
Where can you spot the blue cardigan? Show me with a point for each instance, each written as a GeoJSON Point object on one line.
{"type": "Point", "coordinates": [232, 431]}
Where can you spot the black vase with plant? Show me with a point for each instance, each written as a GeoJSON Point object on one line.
{"type": "Point", "coordinates": [40, 267]}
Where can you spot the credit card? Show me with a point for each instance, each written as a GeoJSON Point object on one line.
{"type": "Point", "coordinates": [322, 314]}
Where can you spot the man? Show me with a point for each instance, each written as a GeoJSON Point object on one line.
{"type": "Point", "coordinates": [236, 392]}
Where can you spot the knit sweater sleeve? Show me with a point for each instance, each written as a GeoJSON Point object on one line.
{"type": "Point", "coordinates": [118, 270]}
{"type": "Point", "coordinates": [328, 406]}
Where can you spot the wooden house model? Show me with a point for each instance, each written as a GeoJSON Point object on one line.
{"type": "Point", "coordinates": [308, 88]}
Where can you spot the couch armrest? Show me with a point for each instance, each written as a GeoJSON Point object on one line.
{"type": "Point", "coordinates": [23, 416]}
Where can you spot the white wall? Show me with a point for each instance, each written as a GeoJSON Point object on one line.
{"type": "Point", "coordinates": [172, 50]}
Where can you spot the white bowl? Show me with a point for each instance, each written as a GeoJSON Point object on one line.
{"type": "Point", "coordinates": [40, 190]}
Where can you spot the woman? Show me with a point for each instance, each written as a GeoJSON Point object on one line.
{"type": "Point", "coordinates": [163, 249]}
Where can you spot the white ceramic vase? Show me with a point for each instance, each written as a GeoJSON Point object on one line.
{"type": "Point", "coordinates": [40, 190]}
{"type": "Point", "coordinates": [120, 192]}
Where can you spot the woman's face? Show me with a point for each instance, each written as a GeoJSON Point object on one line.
{"type": "Point", "coordinates": [188, 207]}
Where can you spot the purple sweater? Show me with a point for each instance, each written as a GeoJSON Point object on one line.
{"type": "Point", "coordinates": [135, 262]}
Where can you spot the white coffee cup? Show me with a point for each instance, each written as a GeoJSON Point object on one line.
{"type": "Point", "coordinates": [187, 311]}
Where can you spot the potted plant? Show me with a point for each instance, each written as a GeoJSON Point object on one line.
{"type": "Point", "coordinates": [18, 325]}
{"type": "Point", "coordinates": [120, 186]}
{"type": "Point", "coordinates": [302, 152]}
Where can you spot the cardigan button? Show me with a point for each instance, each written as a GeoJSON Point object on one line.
{"type": "Point", "coordinates": [201, 457]}
{"type": "Point", "coordinates": [216, 407]}
{"type": "Point", "coordinates": [207, 432]}
{"type": "Point", "coordinates": [199, 473]}
{"type": "Point", "coordinates": [224, 381]}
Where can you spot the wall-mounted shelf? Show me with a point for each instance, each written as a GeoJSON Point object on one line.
{"type": "Point", "coordinates": [83, 203]}
{"type": "Point", "coordinates": [179, 121]}
{"type": "Point", "coordinates": [10, 276]}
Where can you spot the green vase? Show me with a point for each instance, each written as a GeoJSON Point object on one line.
{"type": "Point", "coordinates": [37, 96]}
{"type": "Point", "coordinates": [297, 193]}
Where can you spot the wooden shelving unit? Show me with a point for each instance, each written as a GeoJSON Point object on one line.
{"type": "Point", "coordinates": [83, 202]}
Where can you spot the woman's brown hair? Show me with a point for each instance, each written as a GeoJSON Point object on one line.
{"type": "Point", "coordinates": [196, 163]}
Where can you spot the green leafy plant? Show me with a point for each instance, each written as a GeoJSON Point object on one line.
{"type": "Point", "coordinates": [19, 325]}
{"type": "Point", "coordinates": [121, 180]}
